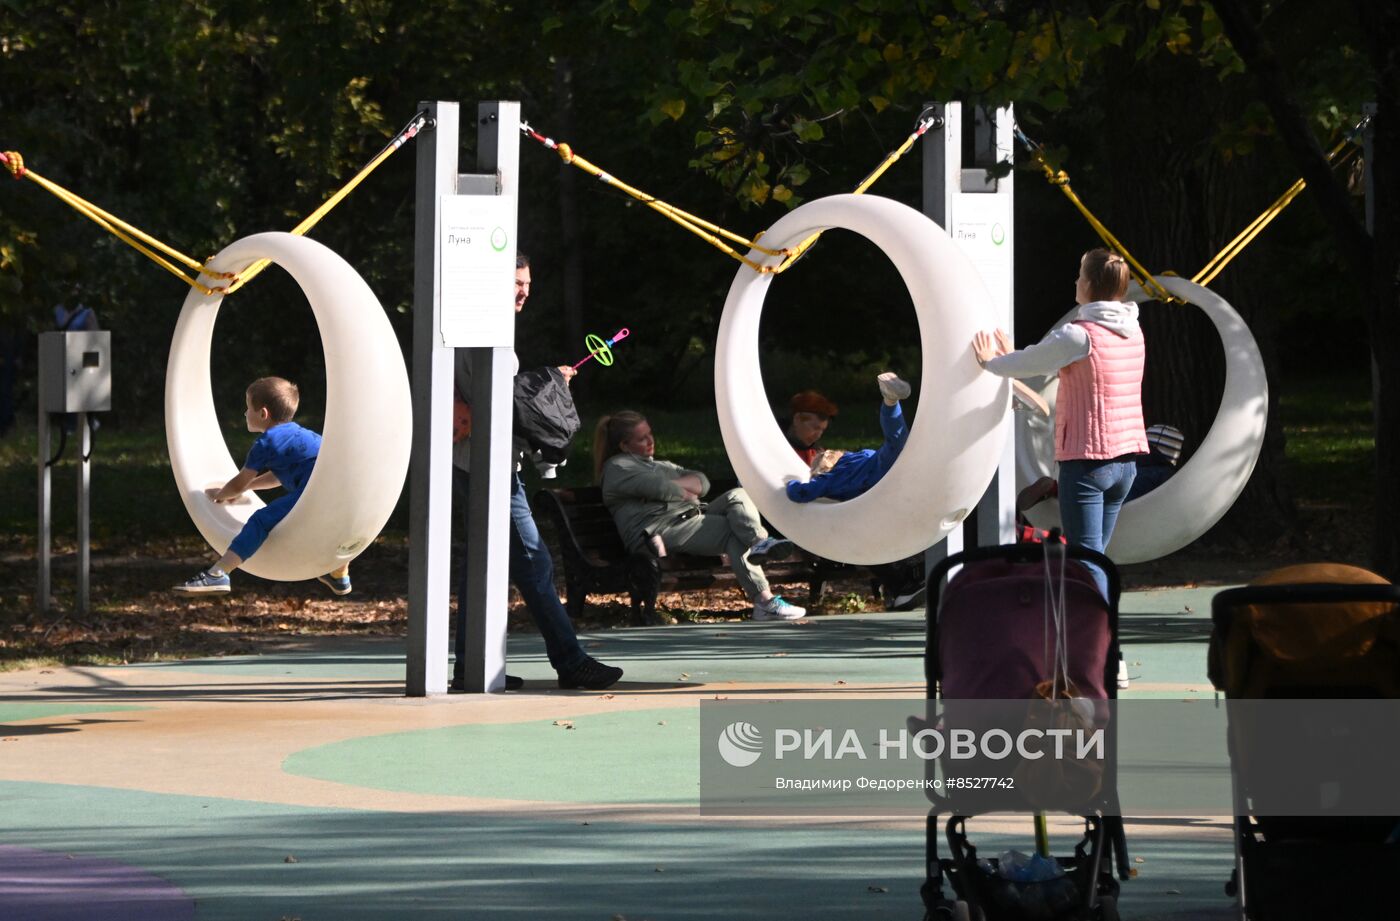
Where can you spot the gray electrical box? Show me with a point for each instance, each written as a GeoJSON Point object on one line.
{"type": "Point", "coordinates": [75, 372]}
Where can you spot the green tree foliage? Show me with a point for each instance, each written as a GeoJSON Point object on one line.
{"type": "Point", "coordinates": [1149, 104]}
{"type": "Point", "coordinates": [202, 122]}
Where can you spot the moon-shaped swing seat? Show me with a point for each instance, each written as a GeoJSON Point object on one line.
{"type": "Point", "coordinates": [367, 434]}
{"type": "Point", "coordinates": [1202, 491]}
{"type": "Point", "coordinates": [954, 444]}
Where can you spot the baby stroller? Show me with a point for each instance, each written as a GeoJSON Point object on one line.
{"type": "Point", "coordinates": [987, 640]}
{"type": "Point", "coordinates": [1308, 632]}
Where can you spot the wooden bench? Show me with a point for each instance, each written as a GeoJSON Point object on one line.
{"type": "Point", "coordinates": [595, 561]}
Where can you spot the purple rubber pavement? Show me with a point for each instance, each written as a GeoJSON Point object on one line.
{"type": "Point", "coordinates": [48, 886]}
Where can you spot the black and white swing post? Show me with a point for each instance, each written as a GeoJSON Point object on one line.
{"type": "Point", "coordinates": [975, 207]}
{"type": "Point", "coordinates": [463, 297]}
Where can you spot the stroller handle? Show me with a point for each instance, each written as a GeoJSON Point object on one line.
{"type": "Point", "coordinates": [1029, 553]}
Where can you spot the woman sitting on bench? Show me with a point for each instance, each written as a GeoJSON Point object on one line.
{"type": "Point", "coordinates": [656, 505]}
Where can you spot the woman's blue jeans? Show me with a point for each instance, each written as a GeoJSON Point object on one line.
{"type": "Point", "coordinates": [1091, 495]}
{"type": "Point", "coordinates": [532, 574]}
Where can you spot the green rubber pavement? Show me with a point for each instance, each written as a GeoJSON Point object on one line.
{"type": "Point", "coordinates": [661, 764]}
{"type": "Point", "coordinates": [351, 865]}
{"type": "Point", "coordinates": [1164, 636]}
{"type": "Point", "coordinates": [232, 855]}
{"type": "Point", "coordinates": [14, 711]}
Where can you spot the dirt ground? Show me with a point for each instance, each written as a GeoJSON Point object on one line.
{"type": "Point", "coordinates": [134, 616]}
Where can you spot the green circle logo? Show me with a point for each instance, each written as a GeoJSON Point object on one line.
{"type": "Point", "coordinates": [998, 234]}
{"type": "Point", "coordinates": [498, 239]}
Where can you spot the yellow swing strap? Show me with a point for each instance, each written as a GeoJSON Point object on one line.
{"type": "Point", "coordinates": [406, 134]}
{"type": "Point", "coordinates": [1336, 156]}
{"type": "Point", "coordinates": [925, 122]}
{"type": "Point", "coordinates": [707, 231]}
{"type": "Point", "coordinates": [133, 237]}
{"type": "Point", "coordinates": [1060, 179]}
{"type": "Point", "coordinates": [153, 248]}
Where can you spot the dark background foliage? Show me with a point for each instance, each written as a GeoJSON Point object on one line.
{"type": "Point", "coordinates": [201, 122]}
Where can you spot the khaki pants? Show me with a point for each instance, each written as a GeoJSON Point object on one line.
{"type": "Point", "coordinates": [729, 525]}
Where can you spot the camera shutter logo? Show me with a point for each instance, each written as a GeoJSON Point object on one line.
{"type": "Point", "coordinates": [741, 744]}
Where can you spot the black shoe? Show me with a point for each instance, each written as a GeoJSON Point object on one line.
{"type": "Point", "coordinates": [591, 675]}
{"type": "Point", "coordinates": [513, 683]}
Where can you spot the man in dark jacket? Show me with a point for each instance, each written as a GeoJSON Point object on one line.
{"type": "Point", "coordinates": [531, 567]}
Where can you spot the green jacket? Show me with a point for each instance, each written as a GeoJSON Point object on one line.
{"type": "Point", "coordinates": [642, 495]}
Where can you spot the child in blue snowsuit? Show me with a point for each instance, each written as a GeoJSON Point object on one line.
{"type": "Point", "coordinates": [844, 475]}
{"type": "Point", "coordinates": [284, 455]}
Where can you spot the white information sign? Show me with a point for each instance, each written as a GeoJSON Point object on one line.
{"type": "Point", "coordinates": [981, 226]}
{"type": "Point", "coordinates": [477, 238]}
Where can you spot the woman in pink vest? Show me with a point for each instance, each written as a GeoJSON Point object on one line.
{"type": "Point", "coordinates": [1098, 415]}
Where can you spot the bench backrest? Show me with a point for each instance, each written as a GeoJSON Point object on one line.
{"type": "Point", "coordinates": [582, 518]}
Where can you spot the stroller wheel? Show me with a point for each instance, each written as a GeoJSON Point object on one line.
{"type": "Point", "coordinates": [1108, 908]}
{"type": "Point", "coordinates": [950, 911]}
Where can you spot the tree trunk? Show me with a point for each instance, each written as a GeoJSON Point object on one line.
{"type": "Point", "coordinates": [1174, 203]}
{"type": "Point", "coordinates": [568, 213]}
{"type": "Point", "coordinates": [1374, 260]}
{"type": "Point", "coordinates": [1381, 23]}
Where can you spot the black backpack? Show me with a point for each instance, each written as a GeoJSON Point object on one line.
{"type": "Point", "coordinates": [545, 416]}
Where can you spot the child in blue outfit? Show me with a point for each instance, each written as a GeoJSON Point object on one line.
{"type": "Point", "coordinates": [284, 455]}
{"type": "Point", "coordinates": [844, 475]}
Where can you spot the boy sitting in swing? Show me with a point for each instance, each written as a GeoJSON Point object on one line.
{"type": "Point", "coordinates": [844, 475]}
{"type": "Point", "coordinates": [284, 455]}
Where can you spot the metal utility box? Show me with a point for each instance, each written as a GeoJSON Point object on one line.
{"type": "Point", "coordinates": [75, 372]}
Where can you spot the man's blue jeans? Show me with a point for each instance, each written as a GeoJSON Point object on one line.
{"type": "Point", "coordinates": [1091, 495]}
{"type": "Point", "coordinates": [532, 574]}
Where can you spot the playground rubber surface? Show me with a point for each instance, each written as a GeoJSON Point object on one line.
{"type": "Point", "coordinates": [303, 784]}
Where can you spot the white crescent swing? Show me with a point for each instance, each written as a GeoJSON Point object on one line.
{"type": "Point", "coordinates": [1202, 491]}
{"type": "Point", "coordinates": [368, 424]}
{"type": "Point", "coordinates": [953, 445]}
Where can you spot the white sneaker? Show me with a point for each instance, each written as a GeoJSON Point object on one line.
{"type": "Point", "coordinates": [770, 548]}
{"type": "Point", "coordinates": [1123, 681]}
{"type": "Point", "coordinates": [891, 387]}
{"type": "Point", "coordinates": [777, 609]}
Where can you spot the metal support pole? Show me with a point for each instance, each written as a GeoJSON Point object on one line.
{"type": "Point", "coordinates": [430, 467]}
{"type": "Point", "coordinates": [481, 623]}
{"type": "Point", "coordinates": [996, 512]}
{"type": "Point", "coordinates": [942, 148]}
{"type": "Point", "coordinates": [976, 209]}
{"type": "Point", "coordinates": [43, 590]}
{"type": "Point", "coordinates": [84, 505]}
